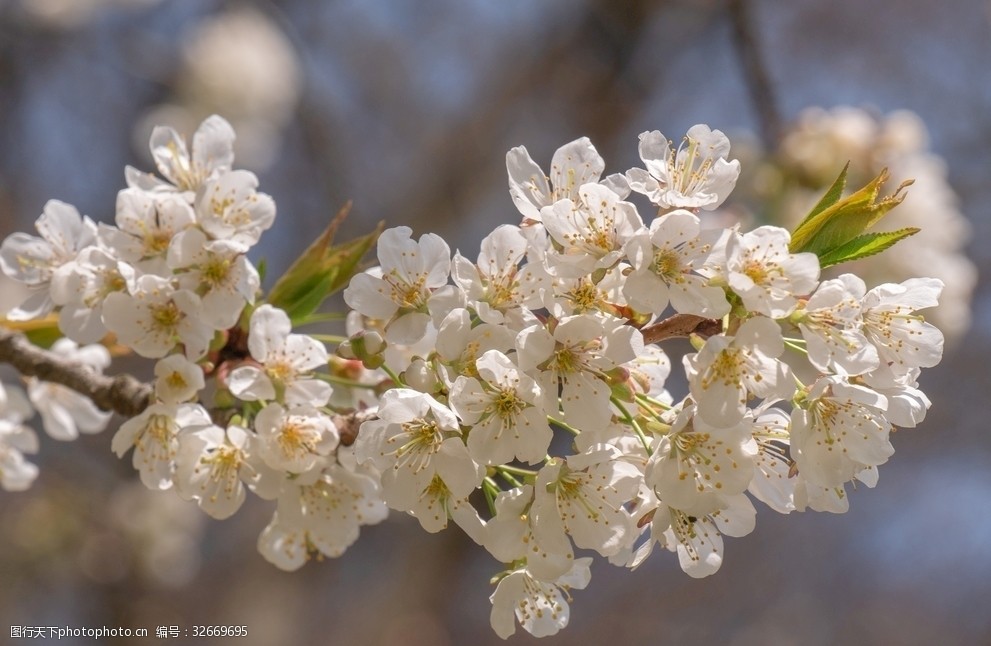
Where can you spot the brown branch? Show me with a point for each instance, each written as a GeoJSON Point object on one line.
{"type": "Point", "coordinates": [681, 325]}
{"type": "Point", "coordinates": [757, 80]}
{"type": "Point", "coordinates": [347, 424]}
{"type": "Point", "coordinates": [121, 393]}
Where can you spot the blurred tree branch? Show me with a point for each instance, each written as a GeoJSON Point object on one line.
{"type": "Point", "coordinates": [121, 393]}
{"type": "Point", "coordinates": [756, 77]}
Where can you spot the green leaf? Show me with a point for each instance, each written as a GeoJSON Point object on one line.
{"type": "Point", "coordinates": [843, 220]}
{"type": "Point", "coordinates": [322, 270]}
{"type": "Point", "coordinates": [865, 245]}
{"type": "Point", "coordinates": [831, 197]}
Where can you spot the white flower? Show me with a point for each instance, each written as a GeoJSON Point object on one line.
{"type": "Point", "coordinates": [156, 316]}
{"type": "Point", "coordinates": [579, 353]}
{"type": "Point", "coordinates": [497, 287]}
{"type": "Point", "coordinates": [177, 379]}
{"type": "Point", "coordinates": [437, 503]}
{"type": "Point", "coordinates": [414, 439]}
{"type": "Point", "coordinates": [229, 207]}
{"type": "Point", "coordinates": [322, 517]}
{"type": "Point", "coordinates": [541, 607]}
{"type": "Point", "coordinates": [287, 361]}
{"type": "Point", "coordinates": [210, 466]}
{"type": "Point", "coordinates": [903, 339]}
{"type": "Point", "coordinates": [698, 539]}
{"type": "Point", "coordinates": [502, 408]}
{"type": "Point", "coordinates": [664, 261]}
{"type": "Point", "coordinates": [459, 345]}
{"type": "Point", "coordinates": [16, 439]}
{"type": "Point", "coordinates": [146, 225]}
{"type": "Point", "coordinates": [694, 462]}
{"type": "Point", "coordinates": [831, 499]}
{"type": "Point", "coordinates": [64, 412]}
{"type": "Point", "coordinates": [649, 372]}
{"type": "Point", "coordinates": [154, 436]}
{"type": "Point", "coordinates": [509, 537]}
{"type": "Point", "coordinates": [695, 176]}
{"type": "Point", "coordinates": [399, 291]}
{"type": "Point", "coordinates": [80, 288]}
{"type": "Point", "coordinates": [765, 274]}
{"type": "Point", "coordinates": [584, 497]}
{"type": "Point", "coordinates": [589, 234]}
{"type": "Point", "coordinates": [907, 405]}
{"type": "Point", "coordinates": [294, 440]}
{"type": "Point", "coordinates": [773, 482]}
{"type": "Point", "coordinates": [32, 260]}
{"type": "Point", "coordinates": [218, 271]}
{"type": "Point", "coordinates": [728, 370]}
{"type": "Point", "coordinates": [212, 154]}
{"type": "Point", "coordinates": [839, 430]}
{"type": "Point", "coordinates": [574, 164]}
{"type": "Point", "coordinates": [830, 323]}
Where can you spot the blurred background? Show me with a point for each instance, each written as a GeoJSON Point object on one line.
{"type": "Point", "coordinates": [407, 109]}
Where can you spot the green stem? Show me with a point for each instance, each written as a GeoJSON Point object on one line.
{"type": "Point", "coordinates": [350, 383]}
{"type": "Point", "coordinates": [568, 427]}
{"type": "Point", "coordinates": [629, 419]}
{"type": "Point", "coordinates": [651, 404]}
{"type": "Point", "coordinates": [392, 375]}
{"type": "Point", "coordinates": [491, 489]}
{"type": "Point", "coordinates": [526, 473]}
{"type": "Point", "coordinates": [508, 477]}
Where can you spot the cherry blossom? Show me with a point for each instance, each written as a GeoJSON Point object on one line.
{"type": "Point", "coordinates": [577, 355]}
{"type": "Point", "coordinates": [502, 407]}
{"type": "Point", "coordinates": [665, 260]}
{"type": "Point", "coordinates": [400, 290]}
{"type": "Point", "coordinates": [414, 439]}
{"type": "Point", "coordinates": [695, 176]}
{"type": "Point", "coordinates": [212, 154]}
{"type": "Point", "coordinates": [830, 323]}
{"type": "Point", "coordinates": [154, 437]}
{"type": "Point", "coordinates": [209, 466]}
{"type": "Point", "coordinates": [765, 274]}
{"type": "Point", "coordinates": [541, 607]}
{"type": "Point", "coordinates": [728, 370]}
{"type": "Point", "coordinates": [573, 165]}
{"type": "Point", "coordinates": [16, 439]}
{"type": "Point", "coordinates": [32, 261]}
{"type": "Point", "coordinates": [519, 404]}
{"type": "Point", "coordinates": [155, 317]}
{"type": "Point", "coordinates": [286, 361]}
{"type": "Point", "coordinates": [64, 412]}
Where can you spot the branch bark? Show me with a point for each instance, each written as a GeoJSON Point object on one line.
{"type": "Point", "coordinates": [681, 325]}
{"type": "Point", "coordinates": [121, 393]}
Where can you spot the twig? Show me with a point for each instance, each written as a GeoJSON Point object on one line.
{"type": "Point", "coordinates": [348, 423]}
{"type": "Point", "coordinates": [681, 325]}
{"type": "Point", "coordinates": [121, 393]}
{"type": "Point", "coordinates": [755, 74]}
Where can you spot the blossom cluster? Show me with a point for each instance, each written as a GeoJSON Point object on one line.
{"type": "Point", "coordinates": [172, 282]}
{"type": "Point", "coordinates": [520, 395]}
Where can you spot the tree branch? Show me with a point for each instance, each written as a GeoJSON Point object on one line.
{"type": "Point", "coordinates": [347, 423]}
{"type": "Point", "coordinates": [756, 78]}
{"type": "Point", "coordinates": [121, 393]}
{"type": "Point", "coordinates": [681, 325]}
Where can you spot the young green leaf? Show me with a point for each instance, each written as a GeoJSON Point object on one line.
{"type": "Point", "coordinates": [865, 245]}
{"type": "Point", "coordinates": [845, 219]}
{"type": "Point", "coordinates": [322, 270]}
{"type": "Point", "coordinates": [831, 197]}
